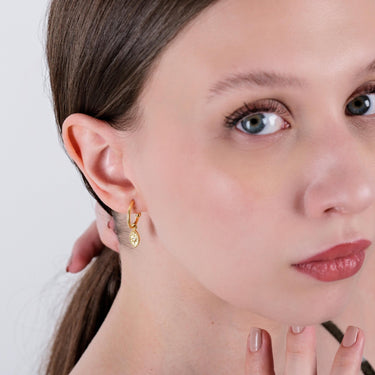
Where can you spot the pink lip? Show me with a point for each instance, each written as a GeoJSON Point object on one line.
{"type": "Point", "coordinates": [339, 251]}
{"type": "Point", "coordinates": [337, 263]}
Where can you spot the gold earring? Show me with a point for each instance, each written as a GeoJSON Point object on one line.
{"type": "Point", "coordinates": [134, 235]}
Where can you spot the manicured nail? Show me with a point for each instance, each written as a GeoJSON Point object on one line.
{"type": "Point", "coordinates": [297, 329]}
{"type": "Point", "coordinates": [350, 337]}
{"type": "Point", "coordinates": [255, 339]}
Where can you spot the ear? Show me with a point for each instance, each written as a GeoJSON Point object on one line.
{"type": "Point", "coordinates": [97, 150]}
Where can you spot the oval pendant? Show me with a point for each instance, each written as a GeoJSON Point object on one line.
{"type": "Point", "coordinates": [134, 238]}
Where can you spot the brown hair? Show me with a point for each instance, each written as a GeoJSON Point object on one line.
{"type": "Point", "coordinates": [100, 54]}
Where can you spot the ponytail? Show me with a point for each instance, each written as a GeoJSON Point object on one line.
{"type": "Point", "coordinates": [92, 297]}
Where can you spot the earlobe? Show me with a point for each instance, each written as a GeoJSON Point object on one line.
{"type": "Point", "coordinates": [92, 144]}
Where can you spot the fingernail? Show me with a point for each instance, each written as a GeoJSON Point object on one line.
{"type": "Point", "coordinates": [69, 264]}
{"type": "Point", "coordinates": [350, 337]}
{"type": "Point", "coordinates": [297, 329]}
{"type": "Point", "coordinates": [255, 339]}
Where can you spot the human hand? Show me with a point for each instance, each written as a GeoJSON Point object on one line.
{"type": "Point", "coordinates": [100, 233]}
{"type": "Point", "coordinates": [301, 355]}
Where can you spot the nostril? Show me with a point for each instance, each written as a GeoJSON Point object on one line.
{"type": "Point", "coordinates": [330, 209]}
{"type": "Point", "coordinates": [338, 209]}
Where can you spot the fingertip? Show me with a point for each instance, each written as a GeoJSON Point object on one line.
{"type": "Point", "coordinates": [350, 353]}
{"type": "Point", "coordinates": [73, 269]}
{"type": "Point", "coordinates": [354, 338]}
{"type": "Point", "coordinates": [77, 263]}
{"type": "Point", "coordinates": [254, 339]}
{"type": "Point", "coordinates": [68, 266]}
{"type": "Point", "coordinates": [303, 331]}
{"type": "Point", "coordinates": [297, 329]}
{"type": "Point", "coordinates": [350, 337]}
{"type": "Point", "coordinates": [259, 358]}
{"type": "Point", "coordinates": [301, 340]}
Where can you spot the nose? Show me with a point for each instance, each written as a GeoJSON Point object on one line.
{"type": "Point", "coordinates": [340, 182]}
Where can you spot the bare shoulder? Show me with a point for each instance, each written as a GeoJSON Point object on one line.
{"type": "Point", "coordinates": [98, 363]}
{"type": "Point", "coordinates": [94, 365]}
{"type": "Point", "coordinates": [94, 369]}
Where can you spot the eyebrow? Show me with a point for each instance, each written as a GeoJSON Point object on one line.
{"type": "Point", "coordinates": [370, 68]}
{"type": "Point", "coordinates": [259, 79]}
{"type": "Point", "coordinates": [266, 79]}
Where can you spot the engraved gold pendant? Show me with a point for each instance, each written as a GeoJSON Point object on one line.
{"type": "Point", "coordinates": [134, 236]}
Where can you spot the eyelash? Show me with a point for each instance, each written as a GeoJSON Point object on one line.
{"type": "Point", "coordinates": [272, 106]}
{"type": "Point", "coordinates": [268, 106]}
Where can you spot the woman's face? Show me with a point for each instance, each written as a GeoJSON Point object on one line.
{"type": "Point", "coordinates": [238, 206]}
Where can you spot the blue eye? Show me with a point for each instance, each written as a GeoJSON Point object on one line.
{"type": "Point", "coordinates": [362, 105]}
{"type": "Point", "coordinates": [268, 116]}
{"type": "Point", "coordinates": [259, 118]}
{"type": "Point", "coordinates": [261, 123]}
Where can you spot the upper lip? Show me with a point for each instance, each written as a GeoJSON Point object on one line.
{"type": "Point", "coordinates": [339, 251]}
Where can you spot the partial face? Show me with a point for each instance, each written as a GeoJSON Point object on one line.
{"type": "Point", "coordinates": [246, 178]}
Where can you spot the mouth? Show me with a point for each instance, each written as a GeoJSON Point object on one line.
{"type": "Point", "coordinates": [337, 263]}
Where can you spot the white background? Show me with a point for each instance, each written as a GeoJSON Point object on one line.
{"type": "Point", "coordinates": [44, 206]}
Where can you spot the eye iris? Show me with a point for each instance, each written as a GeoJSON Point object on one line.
{"type": "Point", "coordinates": [360, 105]}
{"type": "Point", "coordinates": [255, 123]}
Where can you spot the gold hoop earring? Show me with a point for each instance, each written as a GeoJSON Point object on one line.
{"type": "Point", "coordinates": [134, 236]}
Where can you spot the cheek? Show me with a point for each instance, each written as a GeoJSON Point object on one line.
{"type": "Point", "coordinates": [231, 229]}
{"type": "Point", "coordinates": [216, 219]}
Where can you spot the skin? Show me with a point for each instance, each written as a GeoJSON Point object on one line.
{"type": "Point", "coordinates": [250, 205]}
{"type": "Point", "coordinates": [300, 351]}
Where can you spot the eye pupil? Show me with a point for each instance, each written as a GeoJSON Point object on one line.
{"type": "Point", "coordinates": [360, 105]}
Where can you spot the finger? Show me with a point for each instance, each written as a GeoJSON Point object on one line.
{"type": "Point", "coordinates": [106, 228]}
{"type": "Point", "coordinates": [300, 351]}
{"type": "Point", "coordinates": [349, 355]}
{"type": "Point", "coordinates": [86, 247]}
{"type": "Point", "coordinates": [259, 358]}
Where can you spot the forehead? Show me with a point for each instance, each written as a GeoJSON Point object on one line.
{"type": "Point", "coordinates": [323, 43]}
{"type": "Point", "coordinates": [289, 35]}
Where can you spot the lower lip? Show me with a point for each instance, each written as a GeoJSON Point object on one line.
{"type": "Point", "coordinates": [334, 269]}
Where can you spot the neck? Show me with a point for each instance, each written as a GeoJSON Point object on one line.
{"type": "Point", "coordinates": [163, 319]}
